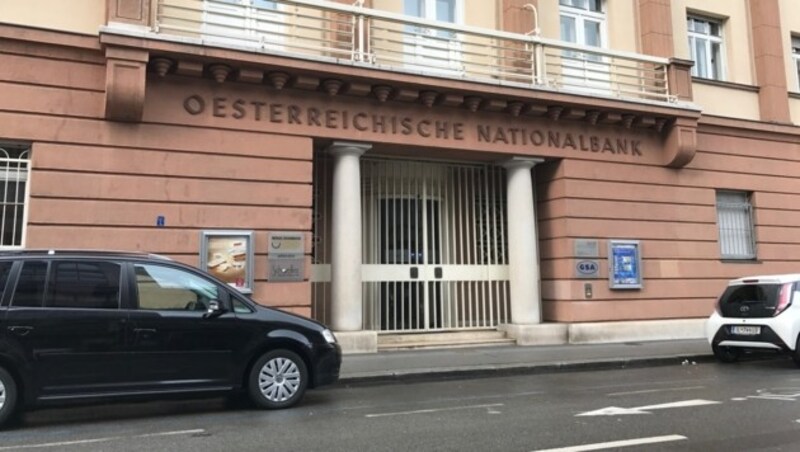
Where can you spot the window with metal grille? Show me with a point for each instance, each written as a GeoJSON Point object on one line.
{"type": "Point", "coordinates": [14, 169]}
{"type": "Point", "coordinates": [735, 221]}
{"type": "Point", "coordinates": [705, 47]}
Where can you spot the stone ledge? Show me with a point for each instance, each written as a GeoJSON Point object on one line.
{"type": "Point", "coordinates": [632, 330]}
{"type": "Point", "coordinates": [353, 342]}
{"type": "Point", "coordinates": [537, 334]}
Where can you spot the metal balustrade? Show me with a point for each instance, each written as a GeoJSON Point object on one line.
{"type": "Point", "coordinates": [379, 39]}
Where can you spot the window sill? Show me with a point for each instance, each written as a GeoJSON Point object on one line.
{"type": "Point", "coordinates": [723, 84]}
{"type": "Point", "coordinates": [729, 260]}
{"type": "Point", "coordinates": [794, 94]}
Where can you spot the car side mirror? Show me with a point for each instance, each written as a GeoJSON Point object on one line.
{"type": "Point", "coordinates": [214, 309]}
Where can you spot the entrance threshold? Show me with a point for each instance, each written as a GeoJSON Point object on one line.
{"type": "Point", "coordinates": [475, 338]}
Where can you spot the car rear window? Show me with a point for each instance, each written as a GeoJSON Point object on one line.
{"type": "Point", "coordinates": [750, 300]}
{"type": "Point", "coordinates": [30, 285]}
{"type": "Point", "coordinates": [85, 285]}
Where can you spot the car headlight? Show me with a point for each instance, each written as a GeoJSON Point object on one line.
{"type": "Point", "coordinates": [328, 335]}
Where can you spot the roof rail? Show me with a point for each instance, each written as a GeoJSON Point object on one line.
{"type": "Point", "coordinates": [51, 251]}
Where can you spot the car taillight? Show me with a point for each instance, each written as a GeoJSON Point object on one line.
{"type": "Point", "coordinates": [784, 298]}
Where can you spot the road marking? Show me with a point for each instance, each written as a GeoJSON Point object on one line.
{"type": "Point", "coordinates": [771, 397]}
{"type": "Point", "coordinates": [615, 410]}
{"type": "Point", "coordinates": [613, 444]}
{"type": "Point", "coordinates": [102, 440]}
{"type": "Point", "coordinates": [435, 410]}
{"type": "Point", "coordinates": [650, 391]}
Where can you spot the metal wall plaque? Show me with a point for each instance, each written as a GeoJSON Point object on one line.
{"type": "Point", "coordinates": [587, 248]}
{"type": "Point", "coordinates": [587, 268]}
{"type": "Point", "coordinates": [286, 243]}
{"type": "Point", "coordinates": [286, 256]}
{"type": "Point", "coordinates": [284, 269]}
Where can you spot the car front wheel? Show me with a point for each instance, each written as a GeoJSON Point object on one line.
{"type": "Point", "coordinates": [726, 354]}
{"type": "Point", "coordinates": [796, 352]}
{"type": "Point", "coordinates": [8, 395]}
{"type": "Point", "coordinates": [278, 379]}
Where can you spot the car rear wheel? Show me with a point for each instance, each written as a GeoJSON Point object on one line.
{"type": "Point", "coordinates": [726, 354]}
{"type": "Point", "coordinates": [277, 380]}
{"type": "Point", "coordinates": [796, 353]}
{"type": "Point", "coordinates": [8, 395]}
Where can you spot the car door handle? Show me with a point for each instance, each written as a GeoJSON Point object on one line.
{"type": "Point", "coordinates": [20, 330]}
{"type": "Point", "coordinates": [144, 332]}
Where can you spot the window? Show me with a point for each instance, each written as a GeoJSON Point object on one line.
{"type": "Point", "coordinates": [735, 222]}
{"type": "Point", "coordinates": [14, 167]}
{"type": "Point", "coordinates": [583, 22]}
{"type": "Point", "coordinates": [705, 47]}
{"type": "Point", "coordinates": [164, 288]}
{"type": "Point", "coordinates": [430, 48]}
{"type": "Point", "coordinates": [83, 285]}
{"type": "Point", "coordinates": [244, 22]}
{"type": "Point", "coordinates": [5, 269]}
{"type": "Point", "coordinates": [796, 57]}
{"type": "Point", "coordinates": [30, 285]}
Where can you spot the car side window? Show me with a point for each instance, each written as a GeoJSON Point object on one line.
{"type": "Point", "coordinates": [165, 288]}
{"type": "Point", "coordinates": [29, 292]}
{"type": "Point", "coordinates": [5, 269]}
{"type": "Point", "coordinates": [83, 285]}
{"type": "Point", "coordinates": [239, 307]}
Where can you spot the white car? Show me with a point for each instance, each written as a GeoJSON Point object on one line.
{"type": "Point", "coordinates": [757, 313]}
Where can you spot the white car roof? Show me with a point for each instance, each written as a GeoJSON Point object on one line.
{"type": "Point", "coordinates": [766, 279]}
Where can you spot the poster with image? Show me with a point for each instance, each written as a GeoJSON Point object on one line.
{"type": "Point", "coordinates": [228, 255]}
{"type": "Point", "coordinates": [625, 264]}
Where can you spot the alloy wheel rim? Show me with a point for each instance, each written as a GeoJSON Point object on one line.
{"type": "Point", "coordinates": [2, 395]}
{"type": "Point", "coordinates": [279, 379]}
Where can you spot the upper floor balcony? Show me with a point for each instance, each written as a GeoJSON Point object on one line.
{"type": "Point", "coordinates": [357, 36]}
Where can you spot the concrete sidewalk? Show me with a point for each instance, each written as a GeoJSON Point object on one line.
{"type": "Point", "coordinates": [501, 360]}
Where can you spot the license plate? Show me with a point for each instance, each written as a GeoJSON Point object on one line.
{"type": "Point", "coordinates": [746, 330]}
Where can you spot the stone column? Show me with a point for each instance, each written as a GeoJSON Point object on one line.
{"type": "Point", "coordinates": [773, 98]}
{"type": "Point", "coordinates": [346, 236]}
{"type": "Point", "coordinates": [522, 261]}
{"type": "Point", "coordinates": [526, 308]}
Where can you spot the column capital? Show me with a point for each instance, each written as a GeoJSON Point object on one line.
{"type": "Point", "coordinates": [521, 162]}
{"type": "Point", "coordinates": [348, 148]}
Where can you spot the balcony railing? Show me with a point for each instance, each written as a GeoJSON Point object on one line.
{"type": "Point", "coordinates": [368, 37]}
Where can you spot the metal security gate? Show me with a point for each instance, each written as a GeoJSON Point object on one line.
{"type": "Point", "coordinates": [434, 244]}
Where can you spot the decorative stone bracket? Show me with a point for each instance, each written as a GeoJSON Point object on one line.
{"type": "Point", "coordinates": [126, 71]}
{"type": "Point", "coordinates": [681, 143]}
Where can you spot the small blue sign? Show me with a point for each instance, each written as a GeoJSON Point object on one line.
{"type": "Point", "coordinates": [587, 268]}
{"type": "Point", "coordinates": [626, 262]}
{"type": "Point", "coordinates": [160, 221]}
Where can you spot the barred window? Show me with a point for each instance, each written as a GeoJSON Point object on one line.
{"type": "Point", "coordinates": [735, 221]}
{"type": "Point", "coordinates": [14, 168]}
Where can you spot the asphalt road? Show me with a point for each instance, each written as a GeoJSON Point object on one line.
{"type": "Point", "coordinates": [754, 405]}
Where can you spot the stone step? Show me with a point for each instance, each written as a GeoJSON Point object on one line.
{"type": "Point", "coordinates": [443, 340]}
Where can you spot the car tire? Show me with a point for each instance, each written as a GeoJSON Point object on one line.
{"type": "Point", "coordinates": [796, 353]}
{"type": "Point", "coordinates": [278, 380]}
{"type": "Point", "coordinates": [8, 396]}
{"type": "Point", "coordinates": [726, 354]}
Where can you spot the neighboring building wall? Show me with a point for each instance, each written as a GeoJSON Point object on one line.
{"type": "Point", "coordinates": [101, 184]}
{"type": "Point", "coordinates": [737, 56]}
{"type": "Point", "coordinates": [80, 16]}
{"type": "Point", "coordinates": [673, 214]}
{"type": "Point", "coordinates": [790, 24]}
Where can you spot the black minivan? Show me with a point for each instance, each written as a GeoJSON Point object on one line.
{"type": "Point", "coordinates": [96, 326]}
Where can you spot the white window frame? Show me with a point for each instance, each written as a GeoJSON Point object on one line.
{"type": "Point", "coordinates": [796, 59]}
{"type": "Point", "coordinates": [15, 170]}
{"type": "Point", "coordinates": [259, 26]}
{"type": "Point", "coordinates": [583, 14]}
{"type": "Point", "coordinates": [717, 71]}
{"type": "Point", "coordinates": [737, 239]}
{"type": "Point", "coordinates": [445, 58]}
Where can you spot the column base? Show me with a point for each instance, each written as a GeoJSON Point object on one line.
{"type": "Point", "coordinates": [537, 334]}
{"type": "Point", "coordinates": [636, 330]}
{"type": "Point", "coordinates": [353, 342]}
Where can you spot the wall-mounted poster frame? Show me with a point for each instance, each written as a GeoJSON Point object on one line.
{"type": "Point", "coordinates": [228, 255]}
{"type": "Point", "coordinates": [624, 264]}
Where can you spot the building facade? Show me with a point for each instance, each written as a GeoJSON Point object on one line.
{"type": "Point", "coordinates": [553, 170]}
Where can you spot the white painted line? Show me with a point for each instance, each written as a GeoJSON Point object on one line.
{"type": "Point", "coordinates": [617, 411]}
{"type": "Point", "coordinates": [613, 444]}
{"type": "Point", "coordinates": [650, 391]}
{"type": "Point", "coordinates": [771, 397]}
{"type": "Point", "coordinates": [434, 410]}
{"type": "Point", "coordinates": [101, 440]}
